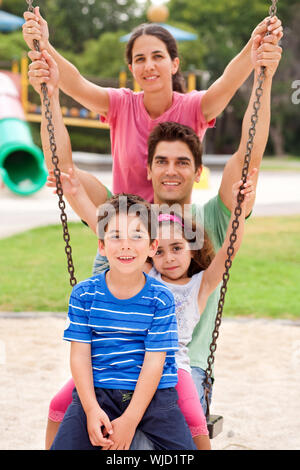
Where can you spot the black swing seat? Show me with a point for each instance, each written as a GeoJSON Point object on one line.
{"type": "Point", "coordinates": [214, 425]}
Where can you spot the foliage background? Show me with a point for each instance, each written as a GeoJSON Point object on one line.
{"type": "Point", "coordinates": [87, 32]}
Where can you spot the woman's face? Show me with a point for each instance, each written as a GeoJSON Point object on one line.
{"type": "Point", "coordinates": [152, 66]}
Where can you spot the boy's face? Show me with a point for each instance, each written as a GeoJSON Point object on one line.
{"type": "Point", "coordinates": [126, 244]}
{"type": "Point", "coordinates": [173, 173]}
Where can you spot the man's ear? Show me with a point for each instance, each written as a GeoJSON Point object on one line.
{"type": "Point", "coordinates": [153, 248]}
{"type": "Point", "coordinates": [198, 174]}
{"type": "Point", "coordinates": [149, 177]}
{"type": "Point", "coordinates": [101, 247]}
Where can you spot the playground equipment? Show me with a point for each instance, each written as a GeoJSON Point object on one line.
{"type": "Point", "coordinates": [22, 166]}
{"type": "Point", "coordinates": [72, 116]}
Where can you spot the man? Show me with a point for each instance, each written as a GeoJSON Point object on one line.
{"type": "Point", "coordinates": [173, 169]}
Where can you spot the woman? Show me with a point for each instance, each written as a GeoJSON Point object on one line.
{"type": "Point", "coordinates": [152, 58]}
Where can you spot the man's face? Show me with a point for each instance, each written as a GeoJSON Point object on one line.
{"type": "Point", "coordinates": [173, 173]}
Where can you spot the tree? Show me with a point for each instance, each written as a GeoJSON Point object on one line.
{"type": "Point", "coordinates": [72, 22]}
{"type": "Point", "coordinates": [11, 46]}
{"type": "Point", "coordinates": [224, 27]}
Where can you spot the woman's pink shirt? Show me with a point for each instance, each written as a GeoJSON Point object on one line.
{"type": "Point", "coordinates": [130, 126]}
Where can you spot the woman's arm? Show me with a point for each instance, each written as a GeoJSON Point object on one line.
{"type": "Point", "coordinates": [237, 71]}
{"type": "Point", "coordinates": [212, 276]}
{"type": "Point", "coordinates": [71, 81]}
{"type": "Point", "coordinates": [92, 188]}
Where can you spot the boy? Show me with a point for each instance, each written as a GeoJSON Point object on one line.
{"type": "Point", "coordinates": [123, 333]}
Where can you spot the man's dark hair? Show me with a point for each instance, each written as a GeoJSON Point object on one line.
{"type": "Point", "coordinates": [170, 132]}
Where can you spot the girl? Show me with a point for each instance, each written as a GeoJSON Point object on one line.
{"type": "Point", "coordinates": [186, 264]}
{"type": "Point", "coordinates": [152, 58]}
{"type": "Point", "coordinates": [192, 274]}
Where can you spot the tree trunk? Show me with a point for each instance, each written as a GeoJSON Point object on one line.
{"type": "Point", "coordinates": [277, 139]}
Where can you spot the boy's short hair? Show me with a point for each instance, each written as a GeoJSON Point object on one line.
{"type": "Point", "coordinates": [170, 132]}
{"type": "Point", "coordinates": [128, 204]}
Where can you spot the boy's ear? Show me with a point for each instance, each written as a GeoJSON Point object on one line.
{"type": "Point", "coordinates": [153, 248]}
{"type": "Point", "coordinates": [101, 247]}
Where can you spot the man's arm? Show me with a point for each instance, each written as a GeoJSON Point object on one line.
{"type": "Point", "coordinates": [267, 55]}
{"type": "Point", "coordinates": [72, 83]}
{"type": "Point", "coordinates": [237, 71]}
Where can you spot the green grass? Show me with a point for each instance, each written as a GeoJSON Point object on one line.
{"type": "Point", "coordinates": [288, 163]}
{"type": "Point", "coordinates": [33, 267]}
{"type": "Point", "coordinates": [264, 279]}
{"type": "Point", "coordinates": [265, 276]}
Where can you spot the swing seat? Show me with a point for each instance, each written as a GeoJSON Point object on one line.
{"type": "Point", "coordinates": [214, 425]}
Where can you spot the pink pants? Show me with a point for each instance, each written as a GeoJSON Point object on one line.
{"type": "Point", "coordinates": [188, 402]}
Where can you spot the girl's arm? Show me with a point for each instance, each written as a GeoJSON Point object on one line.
{"type": "Point", "coordinates": [71, 81]}
{"type": "Point", "coordinates": [124, 427]}
{"type": "Point", "coordinates": [81, 367]}
{"type": "Point", "coordinates": [237, 71]}
{"type": "Point", "coordinates": [212, 276]}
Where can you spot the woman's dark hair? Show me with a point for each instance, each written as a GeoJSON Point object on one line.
{"type": "Point", "coordinates": [171, 45]}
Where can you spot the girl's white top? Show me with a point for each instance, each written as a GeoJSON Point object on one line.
{"type": "Point", "coordinates": [187, 313]}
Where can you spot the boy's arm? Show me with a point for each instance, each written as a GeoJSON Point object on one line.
{"type": "Point", "coordinates": [269, 56]}
{"type": "Point", "coordinates": [125, 426]}
{"type": "Point", "coordinates": [237, 71]}
{"type": "Point", "coordinates": [91, 96]}
{"type": "Point", "coordinates": [81, 367]}
{"type": "Point", "coordinates": [212, 276]}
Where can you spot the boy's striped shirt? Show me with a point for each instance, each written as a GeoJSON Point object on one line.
{"type": "Point", "coordinates": [122, 330]}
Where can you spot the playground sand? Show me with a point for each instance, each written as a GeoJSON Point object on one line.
{"type": "Point", "coordinates": [257, 381]}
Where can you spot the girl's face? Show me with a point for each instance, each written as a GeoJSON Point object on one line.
{"type": "Point", "coordinates": [152, 66]}
{"type": "Point", "coordinates": [173, 256]}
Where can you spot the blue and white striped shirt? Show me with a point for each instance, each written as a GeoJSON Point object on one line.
{"type": "Point", "coordinates": [122, 330]}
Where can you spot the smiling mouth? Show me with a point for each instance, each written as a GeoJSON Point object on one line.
{"type": "Point", "coordinates": [171, 183]}
{"type": "Point", "coordinates": [151, 78]}
{"type": "Point", "coordinates": [126, 259]}
{"type": "Point", "coordinates": [172, 268]}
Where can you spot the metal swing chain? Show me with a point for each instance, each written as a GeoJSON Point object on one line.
{"type": "Point", "coordinates": [55, 161]}
{"type": "Point", "coordinates": [235, 224]}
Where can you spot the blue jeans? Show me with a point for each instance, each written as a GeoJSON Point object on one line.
{"type": "Point", "coordinates": [163, 422]}
{"type": "Point", "coordinates": [141, 442]}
